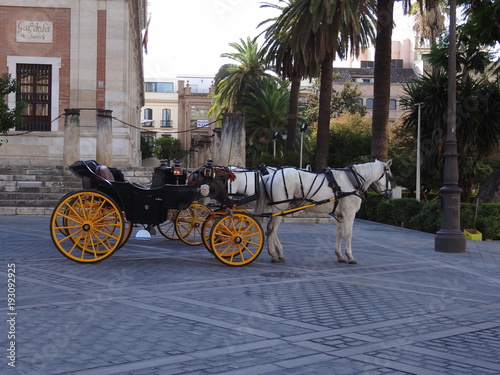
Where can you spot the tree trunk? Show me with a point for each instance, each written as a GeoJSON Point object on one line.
{"type": "Point", "coordinates": [382, 79]}
{"type": "Point", "coordinates": [490, 191]}
{"type": "Point", "coordinates": [325, 95]}
{"type": "Point", "coordinates": [293, 111]}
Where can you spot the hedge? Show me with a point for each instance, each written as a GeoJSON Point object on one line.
{"type": "Point", "coordinates": [425, 216]}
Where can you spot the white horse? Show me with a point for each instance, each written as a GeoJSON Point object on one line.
{"type": "Point", "coordinates": [248, 181]}
{"type": "Point", "coordinates": [338, 192]}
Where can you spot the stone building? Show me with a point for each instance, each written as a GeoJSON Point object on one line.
{"type": "Point", "coordinates": [408, 62]}
{"type": "Point", "coordinates": [84, 55]}
{"type": "Point", "coordinates": [178, 107]}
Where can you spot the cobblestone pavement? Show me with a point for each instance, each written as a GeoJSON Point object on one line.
{"type": "Point", "coordinates": [164, 307]}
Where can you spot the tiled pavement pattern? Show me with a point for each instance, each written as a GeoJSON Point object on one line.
{"type": "Point", "coordinates": [163, 307]}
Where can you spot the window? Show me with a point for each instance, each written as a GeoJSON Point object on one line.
{"type": "Point", "coordinates": [367, 64]}
{"type": "Point", "coordinates": [360, 101]}
{"type": "Point", "coordinates": [35, 83]}
{"type": "Point", "coordinates": [148, 118]}
{"type": "Point", "coordinates": [199, 115]}
{"type": "Point", "coordinates": [159, 87]}
{"type": "Point", "coordinates": [369, 103]}
{"type": "Point", "coordinates": [397, 64]}
{"type": "Point", "coordinates": [392, 104]}
{"type": "Point", "coordinates": [166, 120]}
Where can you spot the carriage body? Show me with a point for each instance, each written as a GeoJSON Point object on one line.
{"type": "Point", "coordinates": [139, 204]}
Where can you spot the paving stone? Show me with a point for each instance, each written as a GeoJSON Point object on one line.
{"type": "Point", "coordinates": [163, 307]}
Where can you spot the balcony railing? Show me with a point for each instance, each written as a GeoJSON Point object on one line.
{"type": "Point", "coordinates": [166, 123]}
{"type": "Point", "coordinates": [43, 126]}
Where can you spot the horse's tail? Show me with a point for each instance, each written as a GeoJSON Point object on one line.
{"type": "Point", "coordinates": [262, 204]}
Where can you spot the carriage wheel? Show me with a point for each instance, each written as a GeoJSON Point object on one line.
{"type": "Point", "coordinates": [188, 223]}
{"type": "Point", "coordinates": [128, 227]}
{"type": "Point", "coordinates": [236, 239]}
{"type": "Point", "coordinates": [206, 228]}
{"type": "Point", "coordinates": [167, 228]}
{"type": "Point", "coordinates": [87, 226]}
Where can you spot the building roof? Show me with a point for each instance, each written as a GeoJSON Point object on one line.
{"type": "Point", "coordinates": [350, 74]}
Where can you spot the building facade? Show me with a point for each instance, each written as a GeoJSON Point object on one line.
{"type": "Point", "coordinates": [73, 54]}
{"type": "Point", "coordinates": [407, 64]}
{"type": "Point", "coordinates": [178, 108]}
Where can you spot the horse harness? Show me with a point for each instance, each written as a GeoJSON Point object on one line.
{"type": "Point", "coordinates": [328, 177]}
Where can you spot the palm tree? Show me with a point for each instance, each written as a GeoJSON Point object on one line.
{"type": "Point", "coordinates": [382, 72]}
{"type": "Point", "coordinates": [232, 80]}
{"type": "Point", "coordinates": [265, 108]}
{"type": "Point", "coordinates": [287, 64]}
{"type": "Point", "coordinates": [315, 32]}
{"type": "Point", "coordinates": [429, 19]}
{"type": "Point", "coordinates": [382, 79]}
{"type": "Point", "coordinates": [478, 134]}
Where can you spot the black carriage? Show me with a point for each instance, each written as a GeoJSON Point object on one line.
{"type": "Point", "coordinates": [91, 224]}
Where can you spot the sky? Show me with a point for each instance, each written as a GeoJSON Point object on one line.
{"type": "Point", "coordinates": [187, 37]}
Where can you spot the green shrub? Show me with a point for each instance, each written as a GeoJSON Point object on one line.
{"type": "Point", "coordinates": [385, 212]}
{"type": "Point", "coordinates": [488, 221]}
{"type": "Point", "coordinates": [426, 217]}
{"type": "Point", "coordinates": [405, 209]}
{"type": "Point", "coordinates": [467, 215]}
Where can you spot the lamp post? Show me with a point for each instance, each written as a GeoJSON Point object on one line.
{"type": "Point", "coordinates": [303, 128]}
{"type": "Point", "coordinates": [275, 137]}
{"type": "Point", "coordinates": [449, 238]}
{"type": "Point", "coordinates": [417, 185]}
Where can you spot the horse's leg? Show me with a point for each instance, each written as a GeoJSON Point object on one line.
{"type": "Point", "coordinates": [274, 247]}
{"type": "Point", "coordinates": [348, 225]}
{"type": "Point", "coordinates": [338, 243]}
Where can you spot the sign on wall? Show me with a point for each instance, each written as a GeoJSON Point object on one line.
{"type": "Point", "coordinates": [34, 31]}
{"type": "Point", "coordinates": [201, 123]}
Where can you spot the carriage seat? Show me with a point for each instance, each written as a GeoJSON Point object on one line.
{"type": "Point", "coordinates": [104, 172]}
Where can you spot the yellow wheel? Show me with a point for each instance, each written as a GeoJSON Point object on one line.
{"type": "Point", "coordinates": [129, 226]}
{"type": "Point", "coordinates": [87, 226]}
{"type": "Point", "coordinates": [188, 223]}
{"type": "Point", "coordinates": [236, 239]}
{"type": "Point", "coordinates": [167, 228]}
{"type": "Point", "coordinates": [206, 228]}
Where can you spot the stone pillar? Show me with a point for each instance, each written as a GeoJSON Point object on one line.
{"type": "Point", "coordinates": [71, 148]}
{"type": "Point", "coordinates": [232, 151]}
{"type": "Point", "coordinates": [104, 142]}
{"type": "Point", "coordinates": [216, 145]}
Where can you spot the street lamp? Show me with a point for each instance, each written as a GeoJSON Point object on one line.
{"type": "Point", "coordinates": [417, 188]}
{"type": "Point", "coordinates": [303, 128]}
{"type": "Point", "coordinates": [449, 238]}
{"type": "Point", "coordinates": [275, 137]}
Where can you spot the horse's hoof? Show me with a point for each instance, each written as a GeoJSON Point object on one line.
{"type": "Point", "coordinates": [352, 261]}
{"type": "Point", "coordinates": [341, 260]}
{"type": "Point", "coordinates": [276, 260]}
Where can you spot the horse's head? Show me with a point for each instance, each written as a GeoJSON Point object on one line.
{"type": "Point", "coordinates": [382, 185]}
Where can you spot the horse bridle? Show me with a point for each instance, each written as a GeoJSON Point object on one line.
{"type": "Point", "coordinates": [388, 178]}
